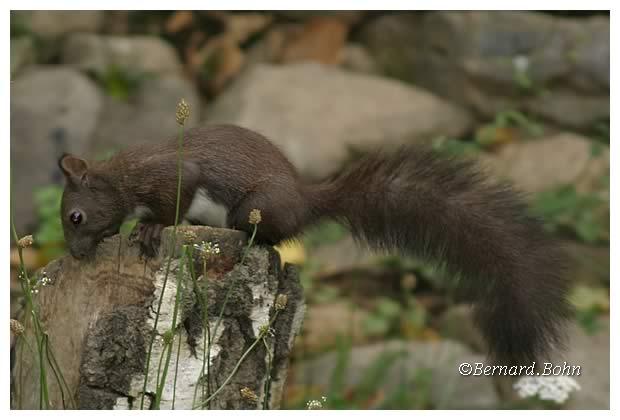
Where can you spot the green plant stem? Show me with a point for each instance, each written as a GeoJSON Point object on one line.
{"type": "Point", "coordinates": [160, 388]}
{"type": "Point", "coordinates": [206, 346]}
{"type": "Point", "coordinates": [176, 370]}
{"type": "Point", "coordinates": [163, 289]}
{"type": "Point", "coordinates": [56, 373]}
{"type": "Point", "coordinates": [54, 364]}
{"type": "Point", "coordinates": [268, 381]}
{"type": "Point", "coordinates": [26, 289]}
{"type": "Point", "coordinates": [161, 360]}
{"type": "Point", "coordinates": [186, 254]}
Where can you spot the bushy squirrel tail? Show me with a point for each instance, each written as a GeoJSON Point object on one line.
{"type": "Point", "coordinates": [418, 202]}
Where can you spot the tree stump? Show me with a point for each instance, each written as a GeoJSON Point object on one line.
{"type": "Point", "coordinates": [100, 316]}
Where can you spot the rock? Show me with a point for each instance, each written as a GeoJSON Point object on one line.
{"type": "Point", "coordinates": [546, 163]}
{"type": "Point", "coordinates": [592, 353]}
{"type": "Point", "coordinates": [321, 39]}
{"type": "Point", "coordinates": [457, 323]}
{"type": "Point", "coordinates": [179, 21]}
{"type": "Point", "coordinates": [346, 16]}
{"type": "Point", "coordinates": [356, 57]}
{"type": "Point", "coordinates": [216, 63]}
{"type": "Point", "coordinates": [268, 49]}
{"type": "Point", "coordinates": [22, 53]}
{"type": "Point", "coordinates": [100, 53]}
{"type": "Point", "coordinates": [315, 114]}
{"type": "Point", "coordinates": [53, 110]}
{"type": "Point", "coordinates": [554, 67]}
{"type": "Point", "coordinates": [52, 24]}
{"type": "Point", "coordinates": [437, 361]}
{"type": "Point", "coordinates": [320, 332]}
{"type": "Point", "coordinates": [147, 117]}
{"type": "Point", "coordinates": [242, 26]}
{"type": "Point", "coordinates": [341, 256]}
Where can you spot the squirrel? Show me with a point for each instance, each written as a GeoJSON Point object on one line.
{"type": "Point", "coordinates": [413, 201]}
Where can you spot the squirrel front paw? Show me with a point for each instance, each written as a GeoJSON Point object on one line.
{"type": "Point", "coordinates": [148, 236]}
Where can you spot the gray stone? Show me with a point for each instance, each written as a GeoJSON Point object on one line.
{"type": "Point", "coordinates": [53, 110]}
{"type": "Point", "coordinates": [22, 54]}
{"type": "Point", "coordinates": [347, 16]}
{"type": "Point", "coordinates": [554, 67]}
{"type": "Point", "coordinates": [51, 24]}
{"type": "Point", "coordinates": [592, 353]}
{"type": "Point", "coordinates": [546, 163]}
{"type": "Point", "coordinates": [148, 116]}
{"type": "Point", "coordinates": [100, 53]}
{"type": "Point", "coordinates": [457, 323]}
{"type": "Point", "coordinates": [441, 359]}
{"type": "Point", "coordinates": [316, 114]}
{"type": "Point", "coordinates": [357, 58]}
{"type": "Point", "coordinates": [342, 256]}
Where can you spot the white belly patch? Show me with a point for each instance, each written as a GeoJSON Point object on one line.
{"type": "Point", "coordinates": [206, 211]}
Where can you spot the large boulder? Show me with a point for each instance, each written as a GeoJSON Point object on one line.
{"type": "Point", "coordinates": [316, 114]}
{"type": "Point", "coordinates": [53, 24]}
{"type": "Point", "coordinates": [412, 362]}
{"type": "Point", "coordinates": [101, 53]}
{"type": "Point", "coordinates": [23, 54]}
{"type": "Point", "coordinates": [53, 110]}
{"type": "Point", "coordinates": [554, 67]}
{"type": "Point", "coordinates": [550, 162]}
{"type": "Point", "coordinates": [590, 351]}
{"type": "Point", "coordinates": [148, 115]}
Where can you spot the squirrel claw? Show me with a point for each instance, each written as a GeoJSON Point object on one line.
{"type": "Point", "coordinates": [148, 236]}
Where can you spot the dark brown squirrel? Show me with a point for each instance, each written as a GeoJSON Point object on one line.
{"type": "Point", "coordinates": [413, 201]}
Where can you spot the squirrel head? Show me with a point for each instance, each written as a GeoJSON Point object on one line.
{"type": "Point", "coordinates": [91, 207]}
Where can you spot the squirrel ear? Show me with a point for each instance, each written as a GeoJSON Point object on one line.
{"type": "Point", "coordinates": [74, 168]}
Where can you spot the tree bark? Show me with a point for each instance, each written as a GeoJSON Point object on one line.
{"type": "Point", "coordinates": [100, 315]}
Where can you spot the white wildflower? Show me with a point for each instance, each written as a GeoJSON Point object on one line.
{"type": "Point", "coordinates": [521, 63]}
{"type": "Point", "coordinates": [314, 405]}
{"type": "Point", "coordinates": [207, 249]}
{"type": "Point", "coordinates": [553, 388]}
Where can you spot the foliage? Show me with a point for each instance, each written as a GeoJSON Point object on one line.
{"type": "Point", "coordinates": [503, 129]}
{"type": "Point", "coordinates": [383, 318]}
{"type": "Point", "coordinates": [120, 83]}
{"type": "Point", "coordinates": [324, 233]}
{"type": "Point", "coordinates": [584, 215]}
{"type": "Point", "coordinates": [19, 27]}
{"type": "Point", "coordinates": [454, 147]}
{"type": "Point", "coordinates": [600, 131]}
{"type": "Point", "coordinates": [590, 303]}
{"type": "Point", "coordinates": [49, 235]}
{"type": "Point", "coordinates": [389, 316]}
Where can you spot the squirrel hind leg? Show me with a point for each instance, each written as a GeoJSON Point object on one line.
{"type": "Point", "coordinates": [282, 216]}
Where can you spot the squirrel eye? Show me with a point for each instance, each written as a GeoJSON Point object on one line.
{"type": "Point", "coordinates": [76, 217]}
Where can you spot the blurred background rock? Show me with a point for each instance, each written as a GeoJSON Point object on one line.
{"type": "Point", "coordinates": [526, 93]}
